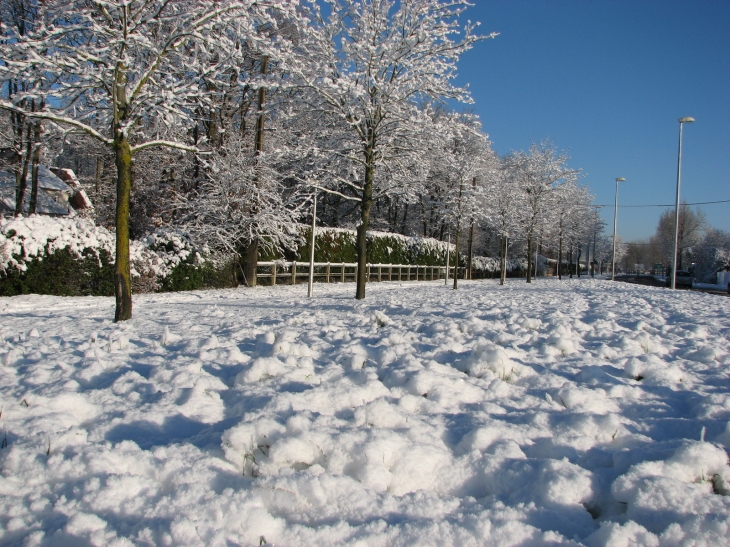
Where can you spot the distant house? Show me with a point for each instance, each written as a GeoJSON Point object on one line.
{"type": "Point", "coordinates": [59, 192]}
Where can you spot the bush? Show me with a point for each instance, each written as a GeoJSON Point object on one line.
{"type": "Point", "coordinates": [339, 245]}
{"type": "Point", "coordinates": [208, 275]}
{"type": "Point", "coordinates": [73, 257]}
{"type": "Point", "coordinates": [62, 273]}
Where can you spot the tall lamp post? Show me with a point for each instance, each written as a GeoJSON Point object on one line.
{"type": "Point", "coordinates": [675, 260]}
{"type": "Point", "coordinates": [595, 229]}
{"type": "Point", "coordinates": [615, 218]}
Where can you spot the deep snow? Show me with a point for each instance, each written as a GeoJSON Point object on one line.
{"type": "Point", "coordinates": [580, 412]}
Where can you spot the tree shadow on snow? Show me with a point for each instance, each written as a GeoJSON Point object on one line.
{"type": "Point", "coordinates": [174, 430]}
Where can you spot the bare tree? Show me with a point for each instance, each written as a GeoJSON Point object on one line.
{"type": "Point", "coordinates": [689, 234]}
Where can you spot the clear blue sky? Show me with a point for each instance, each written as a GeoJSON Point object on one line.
{"type": "Point", "coordinates": [607, 80]}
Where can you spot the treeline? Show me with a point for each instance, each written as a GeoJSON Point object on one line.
{"type": "Point", "coordinates": [700, 248]}
{"type": "Point", "coordinates": [73, 257]}
{"type": "Point", "coordinates": [226, 119]}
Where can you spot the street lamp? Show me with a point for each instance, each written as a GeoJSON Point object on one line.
{"type": "Point", "coordinates": [615, 217]}
{"type": "Point", "coordinates": [595, 229]}
{"type": "Point", "coordinates": [682, 121]}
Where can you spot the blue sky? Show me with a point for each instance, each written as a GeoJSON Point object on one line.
{"type": "Point", "coordinates": [607, 80]}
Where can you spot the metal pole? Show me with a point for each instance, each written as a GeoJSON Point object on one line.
{"type": "Point", "coordinates": [311, 252]}
{"type": "Point", "coordinates": [615, 217]}
{"type": "Point", "coordinates": [615, 214]}
{"type": "Point", "coordinates": [593, 258]}
{"type": "Point", "coordinates": [682, 121]}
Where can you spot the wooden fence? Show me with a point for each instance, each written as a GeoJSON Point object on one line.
{"type": "Point", "coordinates": [341, 272]}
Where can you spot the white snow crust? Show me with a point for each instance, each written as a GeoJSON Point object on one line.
{"type": "Point", "coordinates": [580, 412]}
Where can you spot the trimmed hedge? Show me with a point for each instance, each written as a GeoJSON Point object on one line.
{"type": "Point", "coordinates": [63, 274]}
{"type": "Point", "coordinates": [339, 245]}
{"type": "Point", "coordinates": [189, 277]}
{"type": "Point", "coordinates": [74, 257]}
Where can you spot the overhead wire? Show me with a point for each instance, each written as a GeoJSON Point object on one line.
{"type": "Point", "coordinates": [669, 204]}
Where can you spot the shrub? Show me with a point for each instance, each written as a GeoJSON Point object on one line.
{"type": "Point", "coordinates": [62, 273]}
{"type": "Point", "coordinates": [72, 256]}
{"type": "Point", "coordinates": [339, 245]}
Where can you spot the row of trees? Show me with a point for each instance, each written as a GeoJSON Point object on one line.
{"type": "Point", "coordinates": [224, 118]}
{"type": "Point", "coordinates": [700, 247]}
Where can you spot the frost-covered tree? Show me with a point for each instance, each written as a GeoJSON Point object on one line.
{"type": "Point", "coordinates": [574, 221]}
{"type": "Point", "coordinates": [17, 19]}
{"type": "Point", "coordinates": [242, 198]}
{"type": "Point", "coordinates": [369, 63]}
{"type": "Point", "coordinates": [537, 174]}
{"type": "Point", "coordinates": [711, 255]}
{"type": "Point", "coordinates": [458, 158]}
{"type": "Point", "coordinates": [127, 73]}
{"type": "Point", "coordinates": [501, 207]}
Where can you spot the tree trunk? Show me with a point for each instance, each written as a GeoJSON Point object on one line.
{"type": "Point", "coordinates": [577, 262]}
{"type": "Point", "coordinates": [122, 274]}
{"type": "Point", "coordinates": [252, 251]}
{"type": "Point", "coordinates": [560, 257]}
{"type": "Point", "coordinates": [22, 176]}
{"type": "Point", "coordinates": [362, 229]}
{"type": "Point", "coordinates": [123, 161]}
{"type": "Point", "coordinates": [502, 259]}
{"type": "Point", "coordinates": [34, 176]}
{"type": "Point", "coordinates": [97, 179]}
{"type": "Point", "coordinates": [456, 258]}
{"type": "Point", "coordinates": [529, 259]}
{"type": "Point", "coordinates": [252, 262]}
{"type": "Point", "coordinates": [405, 219]}
{"type": "Point", "coordinates": [570, 262]}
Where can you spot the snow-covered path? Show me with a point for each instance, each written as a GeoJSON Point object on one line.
{"type": "Point", "coordinates": [559, 413]}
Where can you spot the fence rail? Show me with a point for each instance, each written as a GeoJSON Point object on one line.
{"type": "Point", "coordinates": [342, 272]}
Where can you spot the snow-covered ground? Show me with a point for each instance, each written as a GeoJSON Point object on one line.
{"type": "Point", "coordinates": [580, 412]}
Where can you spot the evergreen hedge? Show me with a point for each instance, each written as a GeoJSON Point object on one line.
{"type": "Point", "coordinates": [73, 257]}
{"type": "Point", "coordinates": [339, 245]}
{"type": "Point", "coordinates": [61, 273]}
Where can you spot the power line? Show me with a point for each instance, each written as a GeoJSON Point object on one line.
{"type": "Point", "coordinates": [668, 204]}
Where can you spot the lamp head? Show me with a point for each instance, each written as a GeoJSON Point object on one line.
{"type": "Point", "coordinates": [687, 119]}
{"type": "Point", "coordinates": [620, 179]}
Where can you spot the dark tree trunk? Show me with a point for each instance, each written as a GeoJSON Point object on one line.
{"type": "Point", "coordinates": [502, 259]}
{"type": "Point", "coordinates": [252, 251]}
{"type": "Point", "coordinates": [22, 176]}
{"type": "Point", "coordinates": [97, 180]}
{"type": "Point", "coordinates": [456, 258]}
{"type": "Point", "coordinates": [362, 229]}
{"type": "Point", "coordinates": [404, 224]}
{"type": "Point", "coordinates": [560, 257]}
{"type": "Point", "coordinates": [529, 259]}
{"type": "Point", "coordinates": [122, 274]}
{"type": "Point", "coordinates": [252, 259]}
{"type": "Point", "coordinates": [123, 161]}
{"type": "Point", "coordinates": [34, 175]}
{"type": "Point", "coordinates": [570, 262]}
